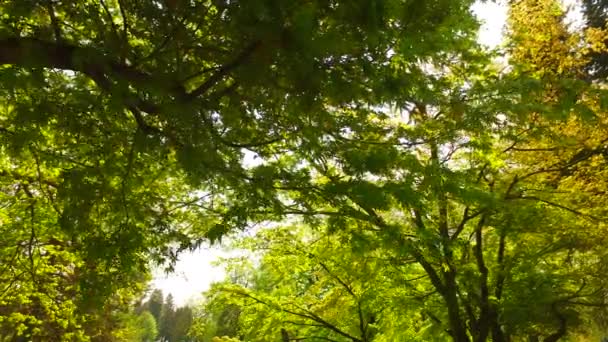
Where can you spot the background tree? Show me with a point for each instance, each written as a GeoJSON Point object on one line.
{"type": "Point", "coordinates": [136, 327]}
{"type": "Point", "coordinates": [596, 16]}
{"type": "Point", "coordinates": [182, 322]}
{"type": "Point", "coordinates": [172, 323]}
{"type": "Point", "coordinates": [167, 319]}
{"type": "Point", "coordinates": [155, 305]}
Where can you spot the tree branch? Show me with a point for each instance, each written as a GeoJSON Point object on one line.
{"type": "Point", "coordinates": [54, 21]}
{"type": "Point", "coordinates": [224, 70]}
{"type": "Point", "coordinates": [29, 179]}
{"type": "Point", "coordinates": [466, 217]}
{"type": "Point", "coordinates": [362, 323]}
{"type": "Point", "coordinates": [557, 205]}
{"type": "Point", "coordinates": [308, 315]}
{"type": "Point", "coordinates": [483, 323]}
{"type": "Point", "coordinates": [32, 52]}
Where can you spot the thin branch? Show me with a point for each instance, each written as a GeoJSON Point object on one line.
{"type": "Point", "coordinates": [211, 129]}
{"type": "Point", "coordinates": [557, 205]}
{"type": "Point", "coordinates": [224, 70]}
{"type": "Point", "coordinates": [54, 21]}
{"type": "Point", "coordinates": [18, 176]}
{"type": "Point", "coordinates": [346, 286]}
{"type": "Point", "coordinates": [313, 337]}
{"type": "Point", "coordinates": [546, 149]}
{"type": "Point", "coordinates": [41, 182]}
{"type": "Point", "coordinates": [362, 324]}
{"type": "Point", "coordinates": [110, 18]}
{"type": "Point", "coordinates": [158, 48]}
{"type": "Point", "coordinates": [308, 315]}
{"type": "Point", "coordinates": [305, 324]}
{"type": "Point", "coordinates": [125, 178]}
{"type": "Point", "coordinates": [589, 304]}
{"type": "Point", "coordinates": [466, 217]}
{"type": "Point", "coordinates": [332, 327]}
{"type": "Point", "coordinates": [125, 20]}
{"type": "Point", "coordinates": [32, 239]}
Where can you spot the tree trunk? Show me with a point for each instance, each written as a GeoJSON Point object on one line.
{"type": "Point", "coordinates": [497, 334]}
{"type": "Point", "coordinates": [284, 335]}
{"type": "Point", "coordinates": [561, 331]}
{"type": "Point", "coordinates": [457, 327]}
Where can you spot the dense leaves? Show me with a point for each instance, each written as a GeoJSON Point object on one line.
{"type": "Point", "coordinates": [126, 126]}
{"type": "Point", "coordinates": [479, 186]}
{"type": "Point", "coordinates": [417, 186]}
{"type": "Point", "coordinates": [171, 323]}
{"type": "Point", "coordinates": [596, 16]}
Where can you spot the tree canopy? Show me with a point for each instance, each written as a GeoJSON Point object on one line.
{"type": "Point", "coordinates": [416, 185]}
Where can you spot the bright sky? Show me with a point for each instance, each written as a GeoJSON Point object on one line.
{"type": "Point", "coordinates": [194, 272]}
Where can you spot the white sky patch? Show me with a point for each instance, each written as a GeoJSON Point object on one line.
{"type": "Point", "coordinates": [493, 17]}
{"type": "Point", "coordinates": [195, 272]}
{"type": "Point", "coordinates": [575, 13]}
{"type": "Point", "coordinates": [251, 159]}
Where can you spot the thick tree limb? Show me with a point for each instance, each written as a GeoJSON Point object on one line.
{"type": "Point", "coordinates": [557, 205]}
{"type": "Point", "coordinates": [107, 72]}
{"type": "Point", "coordinates": [29, 179]}
{"type": "Point", "coordinates": [32, 52]}
{"type": "Point", "coordinates": [562, 328]}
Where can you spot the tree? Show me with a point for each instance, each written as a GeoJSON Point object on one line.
{"type": "Point", "coordinates": [490, 182]}
{"type": "Point", "coordinates": [596, 16]}
{"type": "Point", "coordinates": [137, 327]}
{"type": "Point", "coordinates": [128, 131]}
{"type": "Point", "coordinates": [155, 305]}
{"type": "Point", "coordinates": [124, 125]}
{"type": "Point", "coordinates": [311, 290]}
{"type": "Point", "coordinates": [181, 324]}
{"type": "Point", "coordinates": [167, 321]}
{"type": "Point", "coordinates": [148, 326]}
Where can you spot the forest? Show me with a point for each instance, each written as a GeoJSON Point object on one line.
{"type": "Point", "coordinates": [383, 175]}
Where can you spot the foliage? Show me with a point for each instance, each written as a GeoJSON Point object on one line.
{"type": "Point", "coordinates": [155, 304]}
{"type": "Point", "coordinates": [137, 327]}
{"type": "Point", "coordinates": [596, 16]}
{"type": "Point", "coordinates": [173, 323]}
{"type": "Point", "coordinates": [487, 186]}
{"type": "Point", "coordinates": [312, 287]}
{"type": "Point", "coordinates": [124, 126]}
{"type": "Point", "coordinates": [419, 189]}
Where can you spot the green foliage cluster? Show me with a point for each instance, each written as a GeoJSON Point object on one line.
{"type": "Point", "coordinates": [124, 125]}
{"type": "Point", "coordinates": [595, 14]}
{"type": "Point", "coordinates": [420, 187]}
{"type": "Point", "coordinates": [137, 327]}
{"type": "Point", "coordinates": [172, 323]}
{"type": "Point", "coordinates": [470, 209]}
